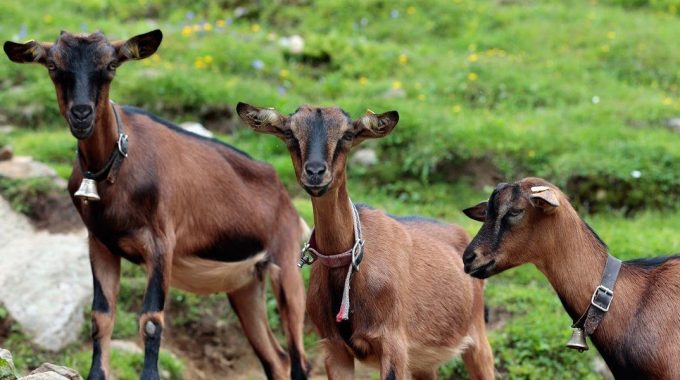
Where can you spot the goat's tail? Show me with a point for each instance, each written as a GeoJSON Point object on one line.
{"type": "Point", "coordinates": [306, 231]}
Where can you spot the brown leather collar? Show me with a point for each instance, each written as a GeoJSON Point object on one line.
{"type": "Point", "coordinates": [331, 261]}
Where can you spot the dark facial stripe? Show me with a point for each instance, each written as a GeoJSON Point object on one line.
{"type": "Point", "coordinates": [502, 219]}
{"type": "Point", "coordinates": [316, 144]}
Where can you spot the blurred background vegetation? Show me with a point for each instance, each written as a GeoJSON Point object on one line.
{"type": "Point", "coordinates": [583, 93]}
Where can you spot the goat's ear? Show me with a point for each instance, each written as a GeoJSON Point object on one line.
{"type": "Point", "coordinates": [138, 47]}
{"type": "Point", "coordinates": [372, 126]}
{"type": "Point", "coordinates": [263, 120]}
{"type": "Point", "coordinates": [545, 198]}
{"type": "Point", "coordinates": [477, 212]}
{"type": "Point", "coordinates": [30, 52]}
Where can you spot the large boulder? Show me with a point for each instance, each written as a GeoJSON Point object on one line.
{"type": "Point", "coordinates": [45, 279]}
{"type": "Point", "coordinates": [7, 370]}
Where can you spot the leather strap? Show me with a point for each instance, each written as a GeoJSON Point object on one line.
{"type": "Point", "coordinates": [601, 299]}
{"type": "Point", "coordinates": [332, 261]}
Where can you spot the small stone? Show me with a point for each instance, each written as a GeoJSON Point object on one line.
{"type": "Point", "coordinates": [21, 167]}
{"type": "Point", "coordinates": [393, 93]}
{"type": "Point", "coordinates": [196, 128]}
{"type": "Point", "coordinates": [6, 153]}
{"type": "Point", "coordinates": [364, 157]}
{"type": "Point", "coordinates": [6, 129]}
{"type": "Point", "coordinates": [64, 372]}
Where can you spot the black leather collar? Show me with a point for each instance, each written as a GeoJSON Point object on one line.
{"type": "Point", "coordinates": [601, 299]}
{"type": "Point", "coordinates": [120, 151]}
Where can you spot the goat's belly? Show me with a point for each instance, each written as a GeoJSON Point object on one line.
{"type": "Point", "coordinates": [423, 357]}
{"type": "Point", "coordinates": [202, 276]}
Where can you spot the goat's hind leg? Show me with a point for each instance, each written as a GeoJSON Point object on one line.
{"type": "Point", "coordinates": [290, 297]}
{"type": "Point", "coordinates": [478, 358]}
{"type": "Point", "coordinates": [249, 304]}
{"type": "Point", "coordinates": [106, 280]}
{"type": "Point", "coordinates": [158, 257]}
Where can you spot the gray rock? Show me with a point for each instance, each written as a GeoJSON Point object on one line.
{"type": "Point", "coordinates": [364, 157]}
{"type": "Point", "coordinates": [45, 279]}
{"type": "Point", "coordinates": [126, 346]}
{"type": "Point", "coordinates": [64, 372]}
{"type": "Point", "coordinates": [21, 167]}
{"type": "Point", "coordinates": [6, 153]}
{"type": "Point", "coordinates": [45, 376]}
{"type": "Point", "coordinates": [673, 124]}
{"type": "Point", "coordinates": [600, 367]}
{"type": "Point", "coordinates": [7, 370]}
{"type": "Point", "coordinates": [196, 128]}
{"type": "Point", "coordinates": [6, 129]}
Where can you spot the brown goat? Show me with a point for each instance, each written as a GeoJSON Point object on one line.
{"type": "Point", "coordinates": [412, 307]}
{"type": "Point", "coordinates": [193, 212]}
{"type": "Point", "coordinates": [638, 337]}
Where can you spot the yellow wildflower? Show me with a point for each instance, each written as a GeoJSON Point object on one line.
{"type": "Point", "coordinates": [207, 27]}
{"type": "Point", "coordinates": [48, 19]}
{"type": "Point", "coordinates": [605, 48]}
{"type": "Point", "coordinates": [410, 10]}
{"type": "Point", "coordinates": [473, 57]}
{"type": "Point", "coordinates": [396, 85]}
{"type": "Point", "coordinates": [284, 73]}
{"type": "Point", "coordinates": [186, 31]}
{"type": "Point", "coordinates": [196, 28]}
{"type": "Point", "coordinates": [199, 63]}
{"type": "Point", "coordinates": [208, 59]}
{"type": "Point", "coordinates": [667, 101]}
{"type": "Point", "coordinates": [472, 77]}
{"type": "Point", "coordinates": [457, 108]}
{"type": "Point", "coordinates": [531, 153]}
{"type": "Point", "coordinates": [363, 81]}
{"type": "Point", "coordinates": [255, 28]}
{"type": "Point", "coordinates": [403, 59]}
{"type": "Point", "coordinates": [421, 97]}
{"type": "Point", "coordinates": [220, 23]}
{"type": "Point", "coordinates": [611, 35]}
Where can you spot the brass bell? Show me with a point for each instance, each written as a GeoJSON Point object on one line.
{"type": "Point", "coordinates": [578, 340]}
{"type": "Point", "coordinates": [88, 190]}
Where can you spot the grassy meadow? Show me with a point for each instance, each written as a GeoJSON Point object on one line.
{"type": "Point", "coordinates": [578, 92]}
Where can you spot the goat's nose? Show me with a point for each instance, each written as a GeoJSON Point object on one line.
{"type": "Point", "coordinates": [315, 168]}
{"type": "Point", "coordinates": [81, 111]}
{"type": "Point", "coordinates": [468, 257]}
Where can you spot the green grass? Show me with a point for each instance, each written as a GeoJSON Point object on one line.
{"type": "Point", "coordinates": [574, 91]}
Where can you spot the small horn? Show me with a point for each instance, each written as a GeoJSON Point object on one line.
{"type": "Point", "coordinates": [88, 190]}
{"type": "Point", "coordinates": [578, 340]}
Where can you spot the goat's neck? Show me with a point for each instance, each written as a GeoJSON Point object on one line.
{"type": "Point", "coordinates": [573, 262]}
{"type": "Point", "coordinates": [333, 223]}
{"type": "Point", "coordinates": [95, 150]}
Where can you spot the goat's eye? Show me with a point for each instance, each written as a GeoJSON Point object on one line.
{"type": "Point", "coordinates": [287, 133]}
{"type": "Point", "coordinates": [51, 66]}
{"type": "Point", "coordinates": [515, 212]}
{"type": "Point", "coordinates": [112, 66]}
{"type": "Point", "coordinates": [348, 136]}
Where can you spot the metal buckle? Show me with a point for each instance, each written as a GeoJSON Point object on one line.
{"type": "Point", "coordinates": [606, 291]}
{"type": "Point", "coordinates": [305, 257]}
{"type": "Point", "coordinates": [123, 144]}
{"type": "Point", "coordinates": [356, 250]}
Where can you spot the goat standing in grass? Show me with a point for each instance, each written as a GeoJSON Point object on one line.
{"type": "Point", "coordinates": [194, 212]}
{"type": "Point", "coordinates": [531, 221]}
{"type": "Point", "coordinates": [410, 306]}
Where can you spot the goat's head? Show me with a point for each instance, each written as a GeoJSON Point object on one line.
{"type": "Point", "coordinates": [318, 139]}
{"type": "Point", "coordinates": [516, 217]}
{"type": "Point", "coordinates": [82, 67]}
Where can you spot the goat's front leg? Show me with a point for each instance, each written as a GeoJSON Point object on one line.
{"type": "Point", "coordinates": [339, 361]}
{"type": "Point", "coordinates": [394, 360]}
{"type": "Point", "coordinates": [106, 280]}
{"type": "Point", "coordinates": [158, 259]}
